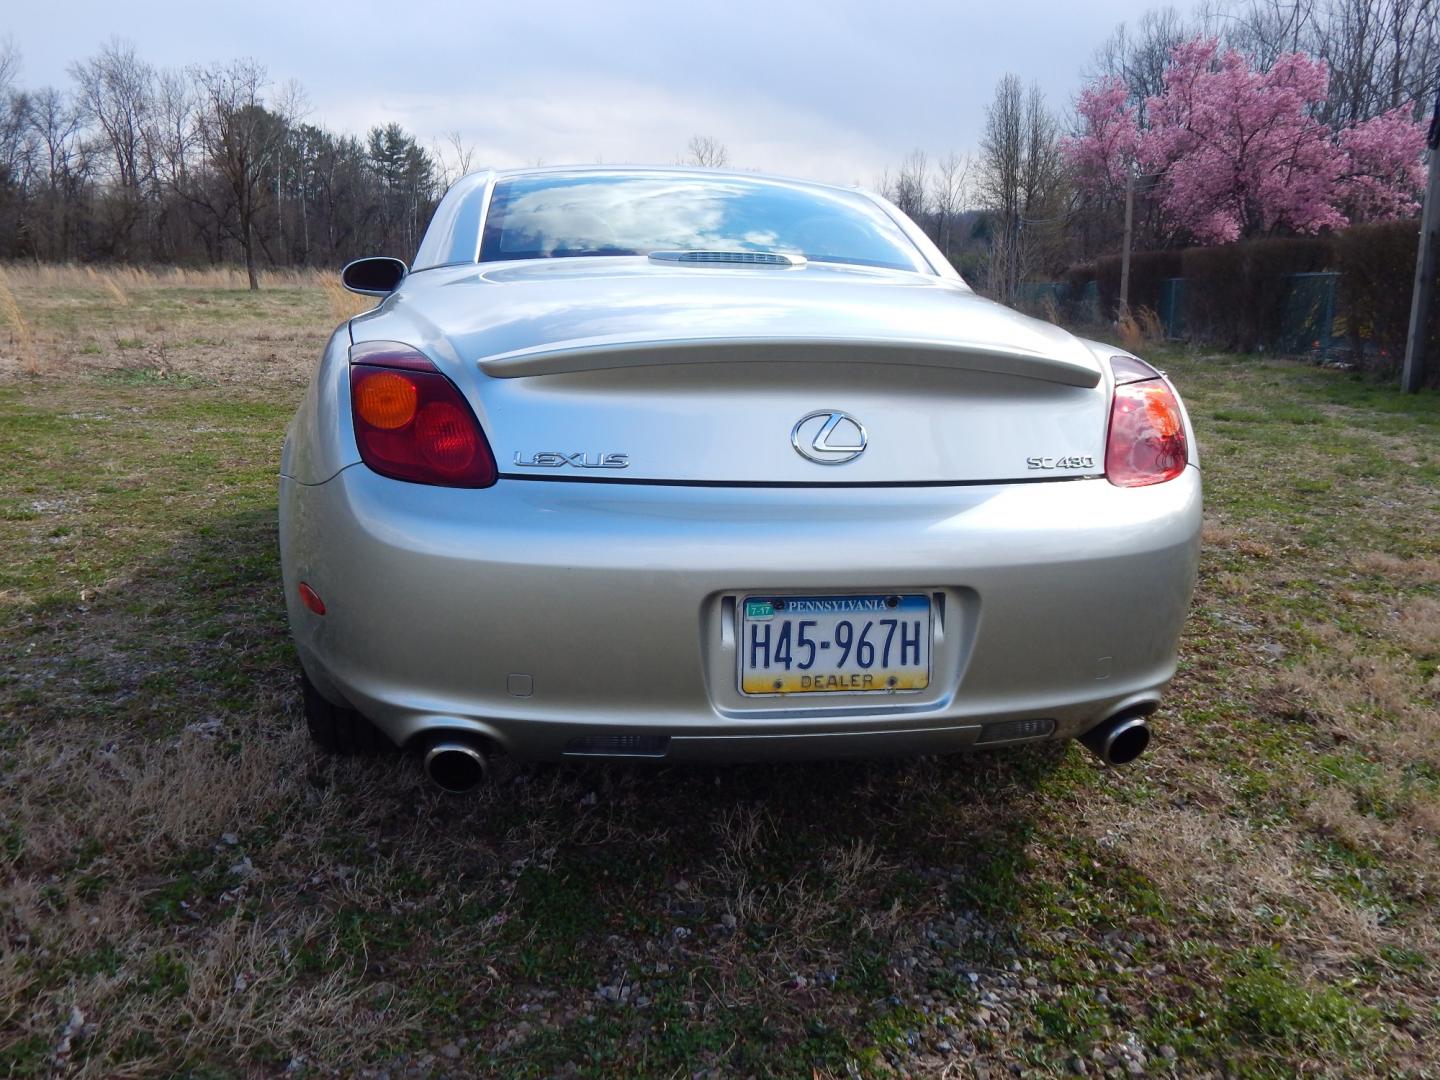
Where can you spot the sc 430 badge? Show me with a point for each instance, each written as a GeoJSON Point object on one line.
{"type": "Point", "coordinates": [1074, 461]}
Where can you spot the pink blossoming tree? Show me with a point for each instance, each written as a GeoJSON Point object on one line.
{"type": "Point", "coordinates": [1111, 137]}
{"type": "Point", "coordinates": [1237, 152]}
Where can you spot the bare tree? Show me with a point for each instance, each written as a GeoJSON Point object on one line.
{"type": "Point", "coordinates": [706, 151]}
{"type": "Point", "coordinates": [911, 189]}
{"type": "Point", "coordinates": [290, 104]}
{"type": "Point", "coordinates": [56, 123]}
{"type": "Point", "coordinates": [9, 63]}
{"type": "Point", "coordinates": [881, 184]}
{"type": "Point", "coordinates": [1139, 55]}
{"type": "Point", "coordinates": [61, 169]}
{"type": "Point", "coordinates": [169, 146]}
{"type": "Point", "coordinates": [1002, 149]}
{"type": "Point", "coordinates": [460, 155]}
{"type": "Point", "coordinates": [241, 139]}
{"type": "Point", "coordinates": [115, 90]}
{"type": "Point", "coordinates": [947, 197]}
{"type": "Point", "coordinates": [170, 134]}
{"type": "Point", "coordinates": [1264, 30]}
{"type": "Point", "coordinates": [1021, 183]}
{"type": "Point", "coordinates": [16, 144]}
{"type": "Point", "coordinates": [1043, 189]}
{"type": "Point", "coordinates": [13, 109]}
{"type": "Point", "coordinates": [1382, 54]}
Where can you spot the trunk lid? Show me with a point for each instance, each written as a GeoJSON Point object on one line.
{"type": "Point", "coordinates": [620, 368]}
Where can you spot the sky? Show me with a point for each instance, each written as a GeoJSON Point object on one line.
{"type": "Point", "coordinates": [834, 90]}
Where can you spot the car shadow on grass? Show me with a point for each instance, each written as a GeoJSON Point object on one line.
{"type": "Point", "coordinates": [763, 919]}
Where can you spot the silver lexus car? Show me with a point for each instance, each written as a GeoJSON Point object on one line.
{"type": "Point", "coordinates": [683, 464]}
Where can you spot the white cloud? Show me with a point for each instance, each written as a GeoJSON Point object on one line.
{"type": "Point", "coordinates": [522, 122]}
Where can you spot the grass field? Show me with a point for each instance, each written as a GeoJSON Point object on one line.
{"type": "Point", "coordinates": [186, 888]}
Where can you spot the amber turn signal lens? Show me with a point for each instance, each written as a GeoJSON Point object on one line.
{"type": "Point", "coordinates": [386, 400]}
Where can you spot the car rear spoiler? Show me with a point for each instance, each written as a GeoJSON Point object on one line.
{"type": "Point", "coordinates": [1077, 369]}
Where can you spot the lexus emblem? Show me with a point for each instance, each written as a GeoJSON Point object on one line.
{"type": "Point", "coordinates": [828, 437]}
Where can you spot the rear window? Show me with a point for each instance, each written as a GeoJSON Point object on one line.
{"type": "Point", "coordinates": [559, 215]}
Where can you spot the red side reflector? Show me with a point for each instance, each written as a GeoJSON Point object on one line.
{"type": "Point", "coordinates": [311, 599]}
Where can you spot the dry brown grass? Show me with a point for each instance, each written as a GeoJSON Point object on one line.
{"type": "Point", "coordinates": [1417, 626]}
{"type": "Point", "coordinates": [202, 323]}
{"type": "Point", "coordinates": [343, 303]}
{"type": "Point", "coordinates": [229, 983]}
{"type": "Point", "coordinates": [1354, 695]}
{"type": "Point", "coordinates": [1413, 570]}
{"type": "Point", "coordinates": [1139, 328]}
{"type": "Point", "coordinates": [22, 338]}
{"type": "Point", "coordinates": [125, 279]}
{"type": "Point", "coordinates": [115, 290]}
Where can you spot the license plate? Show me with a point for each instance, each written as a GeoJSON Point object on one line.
{"type": "Point", "coordinates": [834, 644]}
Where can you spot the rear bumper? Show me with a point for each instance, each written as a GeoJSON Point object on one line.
{"type": "Point", "coordinates": [535, 614]}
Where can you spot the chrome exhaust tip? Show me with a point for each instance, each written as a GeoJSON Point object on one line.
{"type": "Point", "coordinates": [1119, 740]}
{"type": "Point", "coordinates": [455, 766]}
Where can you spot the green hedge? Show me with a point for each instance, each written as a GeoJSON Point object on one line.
{"type": "Point", "coordinates": [1236, 293]}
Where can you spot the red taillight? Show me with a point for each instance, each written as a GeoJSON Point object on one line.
{"type": "Point", "coordinates": [1147, 435]}
{"type": "Point", "coordinates": [411, 423]}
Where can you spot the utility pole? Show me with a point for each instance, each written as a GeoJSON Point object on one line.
{"type": "Point", "coordinates": [1413, 374]}
{"type": "Point", "coordinates": [1125, 251]}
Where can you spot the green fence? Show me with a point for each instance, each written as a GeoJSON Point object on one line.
{"type": "Point", "coordinates": [1036, 296]}
{"type": "Point", "coordinates": [1309, 321]}
{"type": "Point", "coordinates": [1172, 307]}
{"type": "Point", "coordinates": [1060, 300]}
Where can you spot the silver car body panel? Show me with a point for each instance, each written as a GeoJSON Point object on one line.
{"type": "Point", "coordinates": [603, 601]}
{"type": "Point", "coordinates": [616, 603]}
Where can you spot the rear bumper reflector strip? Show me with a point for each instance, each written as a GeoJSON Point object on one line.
{"type": "Point", "coordinates": [618, 746]}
